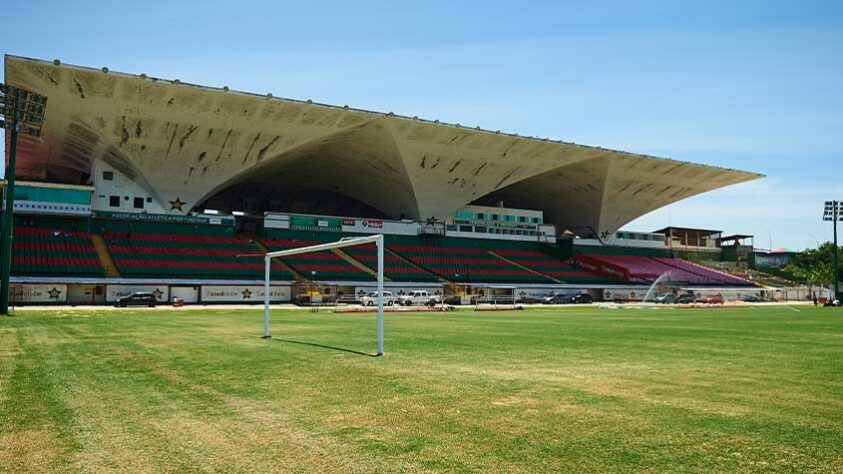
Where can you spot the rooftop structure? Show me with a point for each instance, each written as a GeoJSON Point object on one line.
{"type": "Point", "coordinates": [186, 145]}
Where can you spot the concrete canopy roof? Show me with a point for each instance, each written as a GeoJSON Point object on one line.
{"type": "Point", "coordinates": [187, 142]}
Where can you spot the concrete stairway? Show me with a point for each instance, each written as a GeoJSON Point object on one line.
{"type": "Point", "coordinates": [108, 266]}
{"type": "Point", "coordinates": [296, 275]}
{"type": "Point", "coordinates": [348, 258]}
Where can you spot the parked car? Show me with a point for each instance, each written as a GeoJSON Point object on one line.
{"type": "Point", "coordinates": [686, 298]}
{"type": "Point", "coordinates": [756, 299]}
{"type": "Point", "coordinates": [455, 300]}
{"type": "Point", "coordinates": [371, 298]}
{"type": "Point", "coordinates": [669, 298]}
{"type": "Point", "coordinates": [556, 298]}
{"type": "Point", "coordinates": [137, 298]}
{"type": "Point", "coordinates": [417, 297]}
{"type": "Point", "coordinates": [529, 300]}
{"type": "Point", "coordinates": [713, 299]}
{"type": "Point", "coordinates": [561, 298]}
{"type": "Point", "coordinates": [580, 298]}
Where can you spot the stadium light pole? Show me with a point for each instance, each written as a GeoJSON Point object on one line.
{"type": "Point", "coordinates": [834, 212]}
{"type": "Point", "coordinates": [24, 112]}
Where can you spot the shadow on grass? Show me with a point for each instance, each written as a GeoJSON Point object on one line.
{"type": "Point", "coordinates": [323, 346]}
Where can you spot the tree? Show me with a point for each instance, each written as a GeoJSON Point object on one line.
{"type": "Point", "coordinates": [815, 265]}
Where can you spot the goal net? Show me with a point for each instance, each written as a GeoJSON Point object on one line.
{"type": "Point", "coordinates": [345, 242]}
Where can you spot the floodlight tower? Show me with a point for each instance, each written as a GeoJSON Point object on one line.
{"type": "Point", "coordinates": [24, 112]}
{"type": "Point", "coordinates": [834, 212]}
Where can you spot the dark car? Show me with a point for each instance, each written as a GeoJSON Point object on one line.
{"type": "Point", "coordinates": [580, 298]}
{"type": "Point", "coordinates": [686, 299]}
{"type": "Point", "coordinates": [669, 298]}
{"type": "Point", "coordinates": [529, 300]}
{"type": "Point", "coordinates": [138, 298]}
{"type": "Point", "coordinates": [557, 298]}
{"type": "Point", "coordinates": [455, 300]}
{"type": "Point", "coordinates": [756, 299]}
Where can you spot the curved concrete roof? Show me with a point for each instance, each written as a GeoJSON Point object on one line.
{"type": "Point", "coordinates": [187, 142]}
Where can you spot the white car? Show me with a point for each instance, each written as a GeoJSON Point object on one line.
{"type": "Point", "coordinates": [371, 299]}
{"type": "Point", "coordinates": [418, 297]}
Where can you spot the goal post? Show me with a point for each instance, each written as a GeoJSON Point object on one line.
{"type": "Point", "coordinates": [344, 242]}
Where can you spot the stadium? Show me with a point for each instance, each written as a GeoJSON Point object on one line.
{"type": "Point", "coordinates": [139, 183]}
{"type": "Point", "coordinates": [677, 349]}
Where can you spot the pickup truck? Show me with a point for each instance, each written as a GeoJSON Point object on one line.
{"type": "Point", "coordinates": [417, 297]}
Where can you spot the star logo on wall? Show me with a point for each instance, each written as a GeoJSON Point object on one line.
{"type": "Point", "coordinates": [157, 293]}
{"type": "Point", "coordinates": [177, 204]}
{"type": "Point", "coordinates": [54, 293]}
{"type": "Point", "coordinates": [247, 294]}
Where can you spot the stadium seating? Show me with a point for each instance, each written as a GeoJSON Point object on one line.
{"type": "Point", "coordinates": [715, 276]}
{"type": "Point", "coordinates": [319, 266]}
{"type": "Point", "coordinates": [566, 271]}
{"type": "Point", "coordinates": [458, 260]}
{"type": "Point", "coordinates": [40, 251]}
{"type": "Point", "coordinates": [650, 268]}
{"type": "Point", "coordinates": [178, 255]}
{"type": "Point", "coordinates": [395, 268]}
{"type": "Point", "coordinates": [163, 250]}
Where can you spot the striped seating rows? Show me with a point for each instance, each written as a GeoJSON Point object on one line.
{"type": "Point", "coordinates": [146, 255]}
{"type": "Point", "coordinates": [53, 252]}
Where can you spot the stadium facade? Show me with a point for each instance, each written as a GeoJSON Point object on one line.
{"type": "Point", "coordinates": [156, 151]}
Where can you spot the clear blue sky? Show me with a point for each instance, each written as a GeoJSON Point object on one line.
{"type": "Point", "coordinates": [750, 85]}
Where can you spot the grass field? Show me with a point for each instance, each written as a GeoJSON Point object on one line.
{"type": "Point", "coordinates": [572, 390]}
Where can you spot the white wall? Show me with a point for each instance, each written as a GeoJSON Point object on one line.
{"type": "Point", "coordinates": [188, 294]}
{"type": "Point", "coordinates": [122, 187]}
{"type": "Point", "coordinates": [28, 293]}
{"type": "Point", "coordinates": [85, 294]}
{"type": "Point", "coordinates": [243, 294]}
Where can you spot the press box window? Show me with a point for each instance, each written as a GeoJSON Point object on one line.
{"type": "Point", "coordinates": [107, 175]}
{"type": "Point", "coordinates": [114, 201]}
{"type": "Point", "coordinates": [138, 203]}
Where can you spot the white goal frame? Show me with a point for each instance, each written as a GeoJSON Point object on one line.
{"type": "Point", "coordinates": [344, 242]}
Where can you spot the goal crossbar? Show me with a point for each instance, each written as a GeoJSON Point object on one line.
{"type": "Point", "coordinates": [345, 242]}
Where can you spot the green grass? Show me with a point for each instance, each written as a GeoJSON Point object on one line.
{"type": "Point", "coordinates": [572, 390]}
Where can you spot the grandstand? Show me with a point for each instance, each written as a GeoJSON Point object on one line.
{"type": "Point", "coordinates": [139, 183]}
{"type": "Point", "coordinates": [396, 268]}
{"type": "Point", "coordinates": [320, 266]}
{"type": "Point", "coordinates": [63, 250]}
{"type": "Point", "coordinates": [648, 269]}
{"type": "Point", "coordinates": [142, 254]}
{"type": "Point", "coordinates": [41, 251]}
{"type": "Point", "coordinates": [464, 262]}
